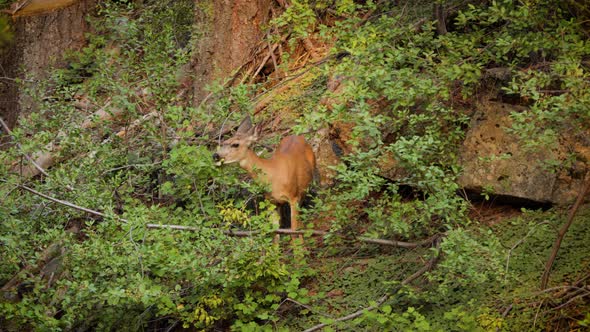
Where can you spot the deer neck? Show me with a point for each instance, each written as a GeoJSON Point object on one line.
{"type": "Point", "coordinates": [255, 166]}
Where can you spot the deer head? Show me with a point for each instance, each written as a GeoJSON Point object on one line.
{"type": "Point", "coordinates": [235, 149]}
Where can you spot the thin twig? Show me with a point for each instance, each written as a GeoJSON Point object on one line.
{"type": "Point", "coordinates": [285, 231]}
{"type": "Point", "coordinates": [518, 243]}
{"type": "Point", "coordinates": [549, 290]}
{"type": "Point", "coordinates": [504, 314]}
{"type": "Point", "coordinates": [562, 231]}
{"type": "Point", "coordinates": [274, 59]}
{"type": "Point", "coordinates": [383, 298]}
{"type": "Point", "coordinates": [9, 132]}
{"type": "Point", "coordinates": [576, 283]}
{"type": "Point", "coordinates": [68, 204]}
{"type": "Point", "coordinates": [576, 291]}
{"type": "Point", "coordinates": [570, 301]}
{"type": "Point", "coordinates": [537, 313]}
{"type": "Point", "coordinates": [171, 327]}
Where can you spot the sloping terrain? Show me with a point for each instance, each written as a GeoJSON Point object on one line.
{"type": "Point", "coordinates": [451, 139]}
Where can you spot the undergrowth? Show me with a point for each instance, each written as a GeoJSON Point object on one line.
{"type": "Point", "coordinates": [405, 95]}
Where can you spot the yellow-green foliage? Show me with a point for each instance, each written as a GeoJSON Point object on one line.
{"type": "Point", "coordinates": [402, 84]}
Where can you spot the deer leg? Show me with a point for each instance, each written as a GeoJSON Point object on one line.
{"type": "Point", "coordinates": [294, 214]}
{"type": "Point", "coordinates": [277, 220]}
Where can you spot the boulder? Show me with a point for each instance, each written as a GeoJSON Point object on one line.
{"type": "Point", "coordinates": [495, 160]}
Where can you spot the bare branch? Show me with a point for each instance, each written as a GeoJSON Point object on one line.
{"type": "Point", "coordinates": [46, 158]}
{"type": "Point", "coordinates": [68, 204]}
{"type": "Point", "coordinates": [266, 58]}
{"type": "Point", "coordinates": [562, 231]}
{"type": "Point", "coordinates": [518, 243]}
{"type": "Point", "coordinates": [572, 300]}
{"type": "Point", "coordinates": [401, 244]}
{"type": "Point", "coordinates": [9, 132]}
{"type": "Point", "coordinates": [429, 265]}
{"type": "Point", "coordinates": [236, 233]}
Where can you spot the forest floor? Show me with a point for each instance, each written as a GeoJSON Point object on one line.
{"type": "Point", "coordinates": [353, 277]}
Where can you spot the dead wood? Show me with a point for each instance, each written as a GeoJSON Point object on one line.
{"type": "Point", "coordinates": [563, 231]}
{"type": "Point", "coordinates": [264, 99]}
{"type": "Point", "coordinates": [440, 15]}
{"type": "Point", "coordinates": [42, 160]}
{"type": "Point", "coordinates": [48, 265]}
{"type": "Point", "coordinates": [427, 267]}
{"type": "Point", "coordinates": [270, 54]}
{"type": "Point", "coordinates": [66, 203]}
{"type": "Point", "coordinates": [393, 243]}
{"type": "Point", "coordinates": [38, 167]}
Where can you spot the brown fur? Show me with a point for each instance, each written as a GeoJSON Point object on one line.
{"type": "Point", "coordinates": [288, 172]}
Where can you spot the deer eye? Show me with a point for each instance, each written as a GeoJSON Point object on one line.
{"type": "Point", "coordinates": [235, 145]}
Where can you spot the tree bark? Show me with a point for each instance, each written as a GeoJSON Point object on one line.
{"type": "Point", "coordinates": [440, 15]}
{"type": "Point", "coordinates": [43, 31]}
{"type": "Point", "coordinates": [563, 231]}
{"type": "Point", "coordinates": [231, 33]}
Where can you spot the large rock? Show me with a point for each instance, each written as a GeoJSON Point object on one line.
{"type": "Point", "coordinates": [495, 160]}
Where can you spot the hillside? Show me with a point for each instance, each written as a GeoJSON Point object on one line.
{"type": "Point", "coordinates": [452, 143]}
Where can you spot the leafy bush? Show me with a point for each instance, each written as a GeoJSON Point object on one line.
{"type": "Point", "coordinates": [113, 272]}
{"type": "Point", "coordinates": [406, 96]}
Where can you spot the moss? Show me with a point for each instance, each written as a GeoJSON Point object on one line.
{"type": "Point", "coordinates": [343, 285]}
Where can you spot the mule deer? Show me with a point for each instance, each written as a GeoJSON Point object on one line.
{"type": "Point", "coordinates": [288, 172]}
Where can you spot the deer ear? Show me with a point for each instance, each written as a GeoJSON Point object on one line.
{"type": "Point", "coordinates": [245, 126]}
{"type": "Point", "coordinates": [253, 134]}
{"type": "Point", "coordinates": [257, 130]}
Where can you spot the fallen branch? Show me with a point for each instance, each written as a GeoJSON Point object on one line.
{"type": "Point", "coordinates": [578, 283]}
{"type": "Point", "coordinates": [285, 231]}
{"type": "Point", "coordinates": [263, 63]}
{"type": "Point", "coordinates": [571, 300]}
{"type": "Point", "coordinates": [68, 204]}
{"type": "Point", "coordinates": [401, 244]}
{"type": "Point", "coordinates": [429, 265]}
{"type": "Point", "coordinates": [518, 243]}
{"type": "Point", "coordinates": [54, 250]}
{"type": "Point", "coordinates": [504, 314]}
{"type": "Point", "coordinates": [44, 159]}
{"type": "Point", "coordinates": [35, 164]}
{"type": "Point", "coordinates": [236, 233]}
{"type": "Point", "coordinates": [562, 231]}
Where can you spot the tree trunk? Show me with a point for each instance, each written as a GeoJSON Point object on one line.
{"type": "Point", "coordinates": [232, 31]}
{"type": "Point", "coordinates": [43, 31]}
